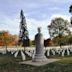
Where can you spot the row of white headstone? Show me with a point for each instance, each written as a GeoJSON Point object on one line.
{"type": "Point", "coordinates": [59, 51]}
{"type": "Point", "coordinates": [31, 52]}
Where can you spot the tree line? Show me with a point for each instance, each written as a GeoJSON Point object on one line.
{"type": "Point", "coordinates": [59, 31]}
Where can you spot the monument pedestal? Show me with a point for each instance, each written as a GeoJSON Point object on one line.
{"type": "Point", "coordinates": [39, 58]}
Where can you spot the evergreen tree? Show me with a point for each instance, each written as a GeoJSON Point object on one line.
{"type": "Point", "coordinates": [70, 11]}
{"type": "Point", "coordinates": [23, 36]}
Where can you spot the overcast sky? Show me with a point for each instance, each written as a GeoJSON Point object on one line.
{"type": "Point", "coordinates": [38, 13]}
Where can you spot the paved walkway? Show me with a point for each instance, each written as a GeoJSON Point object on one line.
{"type": "Point", "coordinates": [39, 63]}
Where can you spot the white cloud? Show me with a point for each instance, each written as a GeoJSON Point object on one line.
{"type": "Point", "coordinates": [34, 24]}
{"type": "Point", "coordinates": [9, 24]}
{"type": "Point", "coordinates": [66, 17]}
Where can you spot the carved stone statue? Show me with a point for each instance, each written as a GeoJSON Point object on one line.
{"type": "Point", "coordinates": [39, 42]}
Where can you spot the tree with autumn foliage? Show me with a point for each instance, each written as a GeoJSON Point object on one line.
{"type": "Point", "coordinates": [6, 39]}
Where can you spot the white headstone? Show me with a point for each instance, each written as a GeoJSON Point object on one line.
{"type": "Point", "coordinates": [28, 53]}
{"type": "Point", "coordinates": [48, 52]}
{"type": "Point", "coordinates": [63, 52]}
{"type": "Point", "coordinates": [68, 53]}
{"type": "Point", "coordinates": [53, 52]}
{"type": "Point", "coordinates": [23, 55]}
{"type": "Point", "coordinates": [12, 52]}
{"type": "Point", "coordinates": [15, 55]}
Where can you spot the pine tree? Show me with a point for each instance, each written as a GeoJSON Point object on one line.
{"type": "Point", "coordinates": [23, 36]}
{"type": "Point", "coordinates": [70, 11]}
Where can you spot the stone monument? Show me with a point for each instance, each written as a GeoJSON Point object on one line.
{"type": "Point", "coordinates": [39, 42]}
{"type": "Point", "coordinates": [39, 58]}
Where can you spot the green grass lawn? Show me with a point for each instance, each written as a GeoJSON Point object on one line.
{"type": "Point", "coordinates": [10, 64]}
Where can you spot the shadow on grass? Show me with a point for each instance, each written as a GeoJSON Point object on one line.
{"type": "Point", "coordinates": [10, 64]}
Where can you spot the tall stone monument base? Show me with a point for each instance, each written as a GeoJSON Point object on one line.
{"type": "Point", "coordinates": [39, 58]}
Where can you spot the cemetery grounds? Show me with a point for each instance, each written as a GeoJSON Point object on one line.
{"type": "Point", "coordinates": [8, 63]}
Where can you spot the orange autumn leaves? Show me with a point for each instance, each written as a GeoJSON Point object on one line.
{"type": "Point", "coordinates": [6, 39]}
